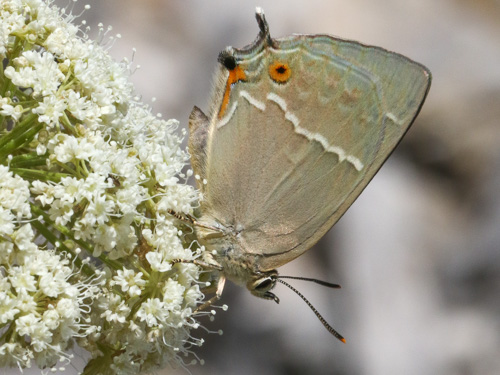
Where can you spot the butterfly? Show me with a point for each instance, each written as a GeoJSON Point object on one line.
{"type": "Point", "coordinates": [296, 129]}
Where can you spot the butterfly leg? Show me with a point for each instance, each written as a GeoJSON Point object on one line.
{"type": "Point", "coordinates": [220, 287]}
{"type": "Point", "coordinates": [199, 263]}
{"type": "Point", "coordinates": [210, 263]}
{"type": "Point", "coordinates": [220, 283]}
{"type": "Point", "coordinates": [187, 218]}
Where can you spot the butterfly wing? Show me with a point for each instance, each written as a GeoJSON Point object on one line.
{"type": "Point", "coordinates": [285, 158]}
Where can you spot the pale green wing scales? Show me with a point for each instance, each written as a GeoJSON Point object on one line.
{"type": "Point", "coordinates": [284, 160]}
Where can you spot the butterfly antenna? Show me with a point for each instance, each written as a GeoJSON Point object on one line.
{"type": "Point", "coordinates": [320, 282]}
{"type": "Point", "coordinates": [328, 327]}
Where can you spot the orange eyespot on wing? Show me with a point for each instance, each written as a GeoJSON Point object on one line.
{"type": "Point", "coordinates": [280, 72]}
{"type": "Point", "coordinates": [235, 75]}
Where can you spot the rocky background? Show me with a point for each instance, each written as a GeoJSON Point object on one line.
{"type": "Point", "coordinates": [418, 254]}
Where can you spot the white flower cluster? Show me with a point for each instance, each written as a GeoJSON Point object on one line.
{"type": "Point", "coordinates": [40, 301]}
{"type": "Point", "coordinates": [87, 176]}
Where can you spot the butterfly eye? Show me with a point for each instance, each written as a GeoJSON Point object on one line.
{"type": "Point", "coordinates": [265, 284]}
{"type": "Point", "coordinates": [227, 59]}
{"type": "Point", "coordinates": [280, 72]}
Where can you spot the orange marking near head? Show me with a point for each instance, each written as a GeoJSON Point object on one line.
{"type": "Point", "coordinates": [280, 72]}
{"type": "Point", "coordinates": [235, 75]}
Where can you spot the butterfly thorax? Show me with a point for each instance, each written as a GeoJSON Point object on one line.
{"type": "Point", "coordinates": [222, 243]}
{"type": "Point", "coordinates": [238, 265]}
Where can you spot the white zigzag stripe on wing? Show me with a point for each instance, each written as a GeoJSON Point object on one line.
{"type": "Point", "coordinates": [227, 117]}
{"type": "Point", "coordinates": [256, 103]}
{"type": "Point", "coordinates": [289, 116]}
{"type": "Point", "coordinates": [339, 151]}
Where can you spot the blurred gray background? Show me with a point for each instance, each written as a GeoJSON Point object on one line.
{"type": "Point", "coordinates": [417, 254]}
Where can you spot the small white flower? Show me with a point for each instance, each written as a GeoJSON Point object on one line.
{"type": "Point", "coordinates": [67, 309]}
{"type": "Point", "coordinates": [14, 193]}
{"type": "Point", "coordinates": [126, 238]}
{"type": "Point", "coordinates": [8, 309]}
{"type": "Point", "coordinates": [24, 239]}
{"type": "Point", "coordinates": [62, 41]}
{"type": "Point", "coordinates": [158, 261]}
{"type": "Point", "coordinates": [105, 238]}
{"type": "Point", "coordinates": [4, 285]}
{"type": "Point", "coordinates": [41, 337]}
{"type": "Point", "coordinates": [99, 209]}
{"type": "Point", "coordinates": [136, 330]}
{"type": "Point", "coordinates": [61, 212]}
{"type": "Point", "coordinates": [153, 312]}
{"type": "Point", "coordinates": [6, 252]}
{"type": "Point", "coordinates": [81, 107]}
{"type": "Point", "coordinates": [11, 21]}
{"type": "Point", "coordinates": [67, 148]}
{"type": "Point", "coordinates": [193, 295]}
{"type": "Point", "coordinates": [71, 190]}
{"type": "Point", "coordinates": [95, 185]}
{"type": "Point", "coordinates": [7, 109]}
{"type": "Point", "coordinates": [54, 283]}
{"type": "Point", "coordinates": [173, 295]}
{"type": "Point", "coordinates": [51, 319]}
{"type": "Point", "coordinates": [6, 222]}
{"type": "Point", "coordinates": [129, 281]}
{"type": "Point", "coordinates": [22, 280]}
{"type": "Point", "coordinates": [115, 309]}
{"type": "Point", "coordinates": [44, 192]}
{"type": "Point", "coordinates": [50, 110]}
{"type": "Point", "coordinates": [25, 301]}
{"type": "Point", "coordinates": [125, 364]}
{"type": "Point", "coordinates": [36, 70]}
{"type": "Point", "coordinates": [130, 197]}
{"type": "Point", "coordinates": [85, 150]}
{"type": "Point", "coordinates": [27, 324]}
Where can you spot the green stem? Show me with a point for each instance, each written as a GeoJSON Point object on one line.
{"type": "Point", "coordinates": [66, 123]}
{"type": "Point", "coordinates": [111, 263]}
{"type": "Point", "coordinates": [101, 364]}
{"type": "Point", "coordinates": [8, 333]}
{"type": "Point", "coordinates": [14, 144]}
{"type": "Point", "coordinates": [18, 46]}
{"type": "Point", "coordinates": [6, 83]}
{"type": "Point", "coordinates": [60, 228]}
{"type": "Point", "coordinates": [38, 174]}
{"type": "Point", "coordinates": [18, 130]}
{"type": "Point", "coordinates": [52, 238]}
{"type": "Point", "coordinates": [28, 160]}
{"type": "Point", "coordinates": [68, 169]}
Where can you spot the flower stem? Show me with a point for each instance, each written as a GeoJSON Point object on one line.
{"type": "Point", "coordinates": [38, 174]}
{"type": "Point", "coordinates": [30, 160]}
{"type": "Point", "coordinates": [18, 130]}
{"type": "Point", "coordinates": [18, 143]}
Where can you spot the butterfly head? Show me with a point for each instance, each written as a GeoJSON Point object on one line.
{"type": "Point", "coordinates": [262, 283]}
